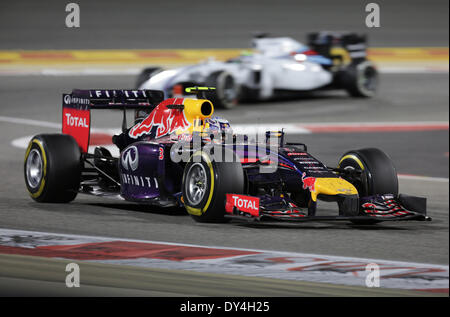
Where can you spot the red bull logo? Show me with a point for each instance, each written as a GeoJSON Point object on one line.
{"type": "Point", "coordinates": [309, 182]}
{"type": "Point", "coordinates": [166, 120]}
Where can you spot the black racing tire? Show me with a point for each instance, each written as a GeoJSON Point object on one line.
{"type": "Point", "coordinates": [52, 168]}
{"type": "Point", "coordinates": [219, 179]}
{"type": "Point", "coordinates": [146, 74]}
{"type": "Point", "coordinates": [378, 174]}
{"type": "Point", "coordinates": [226, 95]}
{"type": "Point", "coordinates": [360, 79]}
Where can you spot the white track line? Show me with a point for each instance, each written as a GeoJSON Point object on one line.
{"type": "Point", "coordinates": [38, 123]}
{"type": "Point", "coordinates": [22, 142]}
{"type": "Point", "coordinates": [82, 238]}
{"type": "Point", "coordinates": [296, 266]}
{"type": "Point", "coordinates": [299, 128]}
{"type": "Point", "coordinates": [423, 178]}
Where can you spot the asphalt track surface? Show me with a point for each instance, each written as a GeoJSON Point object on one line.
{"type": "Point", "coordinates": [144, 24]}
{"type": "Point", "coordinates": [420, 153]}
{"type": "Point", "coordinates": [213, 24]}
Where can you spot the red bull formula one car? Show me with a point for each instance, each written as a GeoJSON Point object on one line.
{"type": "Point", "coordinates": [181, 155]}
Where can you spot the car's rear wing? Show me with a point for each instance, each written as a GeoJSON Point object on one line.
{"type": "Point", "coordinates": [328, 43]}
{"type": "Point", "coordinates": [76, 115]}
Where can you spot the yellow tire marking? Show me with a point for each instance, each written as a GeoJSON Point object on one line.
{"type": "Point", "coordinates": [198, 211]}
{"type": "Point", "coordinates": [353, 157]}
{"type": "Point", "coordinates": [44, 159]}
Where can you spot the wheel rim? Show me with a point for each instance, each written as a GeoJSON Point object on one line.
{"type": "Point", "coordinates": [358, 181]}
{"type": "Point", "coordinates": [368, 80]}
{"type": "Point", "coordinates": [361, 182]}
{"type": "Point", "coordinates": [34, 168]}
{"type": "Point", "coordinates": [229, 89]}
{"type": "Point", "coordinates": [196, 184]}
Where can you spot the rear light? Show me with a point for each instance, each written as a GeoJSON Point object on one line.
{"type": "Point", "coordinates": [301, 57]}
{"type": "Point", "coordinates": [307, 52]}
{"type": "Point", "coordinates": [310, 52]}
{"type": "Point", "coordinates": [177, 90]}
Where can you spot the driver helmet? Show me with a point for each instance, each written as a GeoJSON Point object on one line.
{"type": "Point", "coordinates": [218, 125]}
{"type": "Point", "coordinates": [218, 128]}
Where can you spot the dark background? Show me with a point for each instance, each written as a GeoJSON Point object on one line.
{"type": "Point", "coordinates": [213, 24]}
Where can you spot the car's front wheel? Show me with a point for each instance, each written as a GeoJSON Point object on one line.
{"type": "Point", "coordinates": [145, 75]}
{"type": "Point", "coordinates": [377, 171]}
{"type": "Point", "coordinates": [206, 183]}
{"type": "Point", "coordinates": [226, 94]}
{"type": "Point", "coordinates": [373, 173]}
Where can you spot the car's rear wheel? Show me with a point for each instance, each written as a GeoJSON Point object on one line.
{"type": "Point", "coordinates": [206, 183]}
{"type": "Point", "coordinates": [376, 173]}
{"type": "Point", "coordinates": [227, 90]}
{"type": "Point", "coordinates": [360, 79]}
{"type": "Point", "coordinates": [52, 168]}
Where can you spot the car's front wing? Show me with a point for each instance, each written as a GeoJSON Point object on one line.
{"type": "Point", "coordinates": [372, 209]}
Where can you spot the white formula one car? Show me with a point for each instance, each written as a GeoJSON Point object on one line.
{"type": "Point", "coordinates": [278, 66]}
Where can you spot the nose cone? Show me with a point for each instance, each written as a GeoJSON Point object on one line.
{"type": "Point", "coordinates": [332, 186]}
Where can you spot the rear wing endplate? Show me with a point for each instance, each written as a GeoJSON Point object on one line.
{"type": "Point", "coordinates": [76, 114]}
